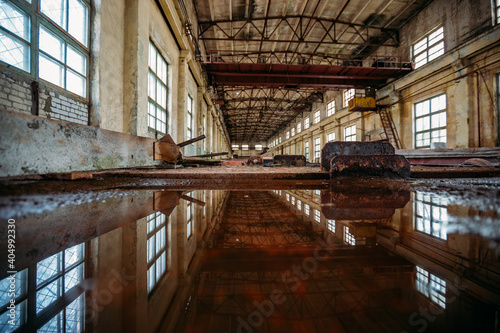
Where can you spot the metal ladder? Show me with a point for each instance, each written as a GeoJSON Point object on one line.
{"type": "Point", "coordinates": [389, 128]}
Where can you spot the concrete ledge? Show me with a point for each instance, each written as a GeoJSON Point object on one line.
{"type": "Point", "coordinates": [35, 145]}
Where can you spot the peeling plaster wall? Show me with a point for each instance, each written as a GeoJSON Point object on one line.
{"type": "Point", "coordinates": [111, 65]}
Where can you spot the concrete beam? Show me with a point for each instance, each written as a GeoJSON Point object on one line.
{"type": "Point", "coordinates": [36, 145]}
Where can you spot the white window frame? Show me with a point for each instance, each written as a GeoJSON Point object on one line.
{"type": "Point", "coordinates": [348, 95]}
{"type": "Point", "coordinates": [317, 117]}
{"type": "Point", "coordinates": [317, 147]}
{"type": "Point", "coordinates": [317, 216]}
{"type": "Point", "coordinates": [299, 127]}
{"type": "Point", "coordinates": [348, 237]}
{"type": "Point", "coordinates": [330, 137]}
{"type": "Point", "coordinates": [49, 293]}
{"type": "Point", "coordinates": [36, 21]}
{"type": "Point", "coordinates": [496, 13]}
{"type": "Point", "coordinates": [431, 215]}
{"type": "Point", "coordinates": [428, 48]}
{"type": "Point", "coordinates": [189, 219]}
{"type": "Point", "coordinates": [350, 133]}
{"type": "Point", "coordinates": [306, 150]}
{"type": "Point", "coordinates": [331, 225]}
{"type": "Point", "coordinates": [436, 115]}
{"type": "Point", "coordinates": [306, 123]}
{"type": "Point", "coordinates": [157, 100]}
{"type": "Point", "coordinates": [330, 108]}
{"type": "Point", "coordinates": [431, 286]}
{"type": "Point", "coordinates": [156, 249]}
{"type": "Point", "coordinates": [258, 147]}
{"type": "Point", "coordinates": [293, 131]}
{"type": "Point", "coordinates": [189, 118]}
{"type": "Point", "coordinates": [244, 147]}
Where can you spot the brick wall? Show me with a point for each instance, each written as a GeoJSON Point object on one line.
{"type": "Point", "coordinates": [16, 94]}
{"type": "Point", "coordinates": [55, 104]}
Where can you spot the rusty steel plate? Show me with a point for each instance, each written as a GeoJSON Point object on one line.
{"type": "Point", "coordinates": [390, 166]}
{"type": "Point", "coordinates": [332, 149]}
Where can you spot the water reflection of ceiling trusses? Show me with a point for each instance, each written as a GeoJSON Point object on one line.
{"type": "Point", "coordinates": [257, 220]}
{"type": "Point", "coordinates": [257, 248]}
{"type": "Point", "coordinates": [315, 45]}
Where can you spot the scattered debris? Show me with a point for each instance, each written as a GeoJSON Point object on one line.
{"type": "Point", "coordinates": [167, 150]}
{"type": "Point", "coordinates": [254, 160]}
{"type": "Point", "coordinates": [289, 160]}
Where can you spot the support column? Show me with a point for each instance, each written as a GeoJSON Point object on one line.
{"type": "Point", "coordinates": [182, 94]}
{"type": "Point", "coordinates": [135, 69]}
{"type": "Point", "coordinates": [134, 278]}
{"type": "Point", "coordinates": [461, 110]}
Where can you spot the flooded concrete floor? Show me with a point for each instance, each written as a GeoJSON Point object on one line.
{"type": "Point", "coordinates": [185, 255]}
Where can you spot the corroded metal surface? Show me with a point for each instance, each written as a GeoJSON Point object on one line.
{"type": "Point", "coordinates": [288, 160]}
{"type": "Point", "coordinates": [332, 149]}
{"type": "Point", "coordinates": [357, 203]}
{"type": "Point", "coordinates": [370, 165]}
{"type": "Point", "coordinates": [254, 160]}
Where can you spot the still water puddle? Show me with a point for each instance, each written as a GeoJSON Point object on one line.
{"type": "Point", "coordinates": [323, 259]}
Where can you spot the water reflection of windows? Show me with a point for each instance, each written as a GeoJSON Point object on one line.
{"type": "Point", "coordinates": [331, 225]}
{"type": "Point", "coordinates": [59, 302]}
{"type": "Point", "coordinates": [58, 274]}
{"type": "Point", "coordinates": [348, 237]}
{"type": "Point", "coordinates": [189, 219]}
{"type": "Point", "coordinates": [287, 197]}
{"type": "Point", "coordinates": [306, 209]}
{"type": "Point", "coordinates": [70, 319]}
{"type": "Point", "coordinates": [299, 205]}
{"type": "Point", "coordinates": [21, 296]}
{"type": "Point", "coordinates": [317, 215]}
{"type": "Point", "coordinates": [293, 201]}
{"type": "Point", "coordinates": [156, 248]}
{"type": "Point", "coordinates": [431, 215]}
{"type": "Point", "coordinates": [431, 286]}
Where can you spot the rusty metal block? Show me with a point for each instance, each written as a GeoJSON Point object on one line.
{"type": "Point", "coordinates": [290, 160]}
{"type": "Point", "coordinates": [335, 148]}
{"type": "Point", "coordinates": [391, 166]}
